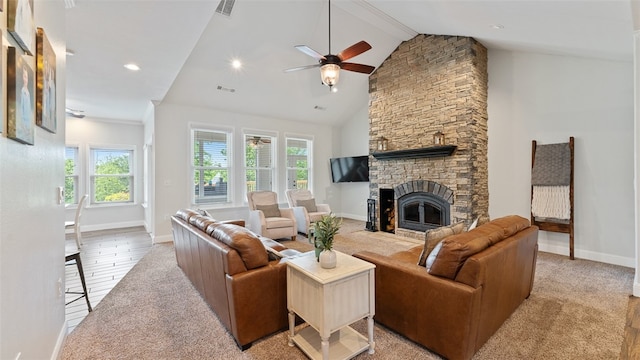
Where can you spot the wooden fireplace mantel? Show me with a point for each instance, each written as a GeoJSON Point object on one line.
{"type": "Point", "coordinates": [426, 152]}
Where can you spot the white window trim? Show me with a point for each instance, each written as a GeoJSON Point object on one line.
{"type": "Point", "coordinates": [80, 171]}
{"type": "Point", "coordinates": [274, 159]}
{"type": "Point", "coordinates": [90, 168]}
{"type": "Point", "coordinates": [232, 168]}
{"type": "Point", "coordinates": [310, 162]}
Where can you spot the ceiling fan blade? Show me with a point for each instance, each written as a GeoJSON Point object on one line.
{"type": "Point", "coordinates": [302, 68]}
{"type": "Point", "coordinates": [354, 50]}
{"type": "Point", "coordinates": [365, 69]}
{"type": "Point", "coordinates": [309, 51]}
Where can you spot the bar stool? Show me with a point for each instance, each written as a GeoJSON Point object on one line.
{"type": "Point", "coordinates": [75, 256]}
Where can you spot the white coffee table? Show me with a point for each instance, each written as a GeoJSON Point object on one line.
{"type": "Point", "coordinates": [329, 300]}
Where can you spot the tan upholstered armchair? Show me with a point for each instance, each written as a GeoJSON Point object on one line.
{"type": "Point", "coordinates": [267, 219]}
{"type": "Point", "coordinates": [305, 208]}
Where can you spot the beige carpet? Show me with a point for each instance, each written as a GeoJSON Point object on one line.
{"type": "Point", "coordinates": [576, 311]}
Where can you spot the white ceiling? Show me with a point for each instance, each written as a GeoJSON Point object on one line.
{"type": "Point", "coordinates": [184, 48]}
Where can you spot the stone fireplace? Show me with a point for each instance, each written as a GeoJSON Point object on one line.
{"type": "Point", "coordinates": [429, 84]}
{"type": "Point", "coordinates": [423, 205]}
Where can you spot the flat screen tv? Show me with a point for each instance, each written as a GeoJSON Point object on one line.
{"type": "Point", "coordinates": [350, 169]}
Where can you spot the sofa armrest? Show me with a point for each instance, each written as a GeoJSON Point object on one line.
{"type": "Point", "coordinates": [258, 302]}
{"type": "Point", "coordinates": [257, 222]}
{"type": "Point", "coordinates": [302, 218]}
{"type": "Point", "coordinates": [439, 313]}
{"type": "Point", "coordinates": [239, 222]}
{"type": "Point", "coordinates": [323, 207]}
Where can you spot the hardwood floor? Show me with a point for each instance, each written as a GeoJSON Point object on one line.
{"type": "Point", "coordinates": [107, 256]}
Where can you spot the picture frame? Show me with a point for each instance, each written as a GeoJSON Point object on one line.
{"type": "Point", "coordinates": [46, 114]}
{"type": "Point", "coordinates": [20, 24]}
{"type": "Point", "coordinates": [20, 97]}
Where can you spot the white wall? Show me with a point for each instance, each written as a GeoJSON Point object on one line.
{"type": "Point", "coordinates": [32, 322]}
{"type": "Point", "coordinates": [548, 99]}
{"type": "Point", "coordinates": [354, 141]}
{"type": "Point", "coordinates": [88, 132]}
{"type": "Point", "coordinates": [172, 156]}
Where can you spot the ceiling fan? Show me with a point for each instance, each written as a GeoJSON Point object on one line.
{"type": "Point", "coordinates": [330, 64]}
{"type": "Point", "coordinates": [256, 141]}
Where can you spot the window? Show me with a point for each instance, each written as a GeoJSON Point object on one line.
{"type": "Point", "coordinates": [258, 162]}
{"type": "Point", "coordinates": [111, 175]}
{"type": "Point", "coordinates": [298, 160]}
{"type": "Point", "coordinates": [71, 175]}
{"type": "Point", "coordinates": [210, 166]}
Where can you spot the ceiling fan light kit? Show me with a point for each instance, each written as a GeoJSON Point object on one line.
{"type": "Point", "coordinates": [330, 74]}
{"type": "Point", "coordinates": [330, 64]}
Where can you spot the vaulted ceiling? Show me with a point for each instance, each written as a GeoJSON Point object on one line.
{"type": "Point", "coordinates": [184, 48]}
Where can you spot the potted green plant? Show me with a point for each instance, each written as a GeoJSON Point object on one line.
{"type": "Point", "coordinates": [324, 231]}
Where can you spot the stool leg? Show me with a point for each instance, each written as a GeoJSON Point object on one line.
{"type": "Point", "coordinates": [84, 285]}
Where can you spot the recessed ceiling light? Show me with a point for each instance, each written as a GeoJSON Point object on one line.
{"type": "Point", "coordinates": [236, 64]}
{"type": "Point", "coordinates": [132, 67]}
{"type": "Point", "coordinates": [334, 89]}
{"type": "Point", "coordinates": [496, 26]}
{"type": "Point", "coordinates": [70, 52]}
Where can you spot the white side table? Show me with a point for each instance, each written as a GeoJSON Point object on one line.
{"type": "Point", "coordinates": [329, 300]}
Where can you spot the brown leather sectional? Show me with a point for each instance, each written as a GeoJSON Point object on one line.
{"type": "Point", "coordinates": [484, 275]}
{"type": "Point", "coordinates": [240, 275]}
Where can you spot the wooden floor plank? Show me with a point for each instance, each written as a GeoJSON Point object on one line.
{"type": "Point", "coordinates": [107, 256]}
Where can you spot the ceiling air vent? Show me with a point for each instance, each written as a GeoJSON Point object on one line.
{"type": "Point", "coordinates": [225, 7]}
{"type": "Point", "coordinates": [222, 88]}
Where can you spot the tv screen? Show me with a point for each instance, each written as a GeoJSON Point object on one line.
{"type": "Point", "coordinates": [350, 169]}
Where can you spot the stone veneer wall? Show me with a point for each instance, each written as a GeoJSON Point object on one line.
{"type": "Point", "coordinates": [433, 83]}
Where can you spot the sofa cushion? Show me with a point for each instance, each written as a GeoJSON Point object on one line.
{"type": "Point", "coordinates": [309, 204]}
{"type": "Point", "coordinates": [201, 222]}
{"type": "Point", "coordinates": [186, 214]}
{"type": "Point", "coordinates": [269, 210]}
{"type": "Point", "coordinates": [511, 224]}
{"type": "Point", "coordinates": [454, 251]}
{"type": "Point", "coordinates": [246, 243]}
{"type": "Point", "coordinates": [434, 236]}
{"type": "Point", "coordinates": [279, 222]}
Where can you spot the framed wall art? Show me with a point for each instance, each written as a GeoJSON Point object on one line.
{"type": "Point", "coordinates": [20, 97]}
{"type": "Point", "coordinates": [20, 23]}
{"type": "Point", "coordinates": [45, 83]}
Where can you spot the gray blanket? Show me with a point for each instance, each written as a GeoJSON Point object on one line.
{"type": "Point", "coordinates": [551, 165]}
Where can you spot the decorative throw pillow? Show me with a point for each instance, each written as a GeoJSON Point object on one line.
{"type": "Point", "coordinates": [203, 212]}
{"type": "Point", "coordinates": [269, 210]}
{"type": "Point", "coordinates": [309, 204]}
{"type": "Point", "coordinates": [432, 256]}
{"type": "Point", "coordinates": [473, 224]}
{"type": "Point", "coordinates": [434, 236]}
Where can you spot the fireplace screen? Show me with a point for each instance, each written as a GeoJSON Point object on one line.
{"type": "Point", "coordinates": [422, 211]}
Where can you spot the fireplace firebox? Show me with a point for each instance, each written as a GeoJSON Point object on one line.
{"type": "Point", "coordinates": [422, 211]}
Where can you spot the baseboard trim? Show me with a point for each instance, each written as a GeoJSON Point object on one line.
{"type": "Point", "coordinates": [110, 226]}
{"type": "Point", "coordinates": [62, 337]}
{"type": "Point", "coordinates": [162, 239]}
{"type": "Point", "coordinates": [588, 255]}
{"type": "Point", "coordinates": [352, 216]}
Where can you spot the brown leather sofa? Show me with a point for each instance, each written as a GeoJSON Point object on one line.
{"type": "Point", "coordinates": [484, 275]}
{"type": "Point", "coordinates": [240, 275]}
